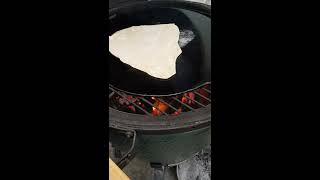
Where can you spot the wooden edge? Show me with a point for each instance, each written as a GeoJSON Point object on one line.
{"type": "Point", "coordinates": [115, 173]}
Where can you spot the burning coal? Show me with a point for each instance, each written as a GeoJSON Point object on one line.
{"type": "Point", "coordinates": [157, 106]}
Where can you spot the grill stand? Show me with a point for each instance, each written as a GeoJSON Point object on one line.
{"type": "Point", "coordinates": [158, 171]}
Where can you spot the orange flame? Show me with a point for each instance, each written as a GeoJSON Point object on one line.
{"type": "Point", "coordinates": [158, 106]}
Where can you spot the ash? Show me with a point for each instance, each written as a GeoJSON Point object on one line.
{"type": "Point", "coordinates": [196, 168]}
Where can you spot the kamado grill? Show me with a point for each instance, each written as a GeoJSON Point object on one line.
{"type": "Point", "coordinates": [163, 121]}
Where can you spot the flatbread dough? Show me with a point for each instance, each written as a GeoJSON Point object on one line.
{"type": "Point", "coordinates": [153, 49]}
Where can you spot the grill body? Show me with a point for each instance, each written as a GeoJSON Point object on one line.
{"type": "Point", "coordinates": [164, 139]}
{"type": "Point", "coordinates": [165, 148]}
{"type": "Point", "coordinates": [170, 149]}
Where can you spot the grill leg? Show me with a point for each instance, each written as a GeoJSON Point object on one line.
{"type": "Point", "coordinates": [158, 171]}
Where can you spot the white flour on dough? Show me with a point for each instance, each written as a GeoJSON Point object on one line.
{"type": "Point", "coordinates": [153, 49]}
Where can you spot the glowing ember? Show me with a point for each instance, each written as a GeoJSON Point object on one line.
{"type": "Point", "coordinates": [177, 112]}
{"type": "Point", "coordinates": [190, 99]}
{"type": "Point", "coordinates": [184, 99]}
{"type": "Point", "coordinates": [132, 108]}
{"type": "Point", "coordinates": [158, 107]}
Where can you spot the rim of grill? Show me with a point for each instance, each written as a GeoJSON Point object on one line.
{"type": "Point", "coordinates": [161, 105]}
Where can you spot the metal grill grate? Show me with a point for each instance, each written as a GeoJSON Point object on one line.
{"type": "Point", "coordinates": [160, 105]}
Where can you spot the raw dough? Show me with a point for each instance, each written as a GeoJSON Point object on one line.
{"type": "Point", "coordinates": [153, 49]}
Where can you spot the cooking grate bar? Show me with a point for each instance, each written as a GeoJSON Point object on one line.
{"type": "Point", "coordinates": [184, 104]}
{"type": "Point", "coordinates": [202, 96]}
{"type": "Point", "coordinates": [164, 102]}
{"type": "Point", "coordinates": [148, 102]}
{"type": "Point", "coordinates": [125, 97]}
{"type": "Point", "coordinates": [111, 94]}
{"type": "Point", "coordinates": [160, 105]}
{"type": "Point", "coordinates": [207, 90]}
{"type": "Point", "coordinates": [193, 100]}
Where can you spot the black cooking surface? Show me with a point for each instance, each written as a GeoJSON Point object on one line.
{"type": "Point", "coordinates": [192, 66]}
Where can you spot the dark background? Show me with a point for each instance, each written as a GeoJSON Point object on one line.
{"type": "Point", "coordinates": [52, 80]}
{"type": "Point", "coordinates": [53, 89]}
{"type": "Point", "coordinates": [266, 90]}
